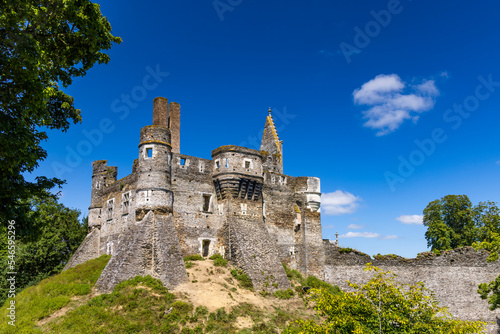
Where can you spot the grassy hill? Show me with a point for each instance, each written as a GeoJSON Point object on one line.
{"type": "Point", "coordinates": [217, 299]}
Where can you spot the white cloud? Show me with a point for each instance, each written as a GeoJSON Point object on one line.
{"type": "Point", "coordinates": [355, 226]}
{"type": "Point", "coordinates": [444, 74]}
{"type": "Point", "coordinates": [411, 219]}
{"type": "Point", "coordinates": [368, 235]}
{"type": "Point", "coordinates": [391, 101]}
{"type": "Point", "coordinates": [390, 237]}
{"type": "Point", "coordinates": [339, 202]}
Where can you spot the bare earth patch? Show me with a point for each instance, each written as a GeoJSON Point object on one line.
{"type": "Point", "coordinates": [215, 287]}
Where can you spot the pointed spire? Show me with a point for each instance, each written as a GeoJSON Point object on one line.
{"type": "Point", "coordinates": [272, 146]}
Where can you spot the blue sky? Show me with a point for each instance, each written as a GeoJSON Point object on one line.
{"type": "Point", "coordinates": [392, 104]}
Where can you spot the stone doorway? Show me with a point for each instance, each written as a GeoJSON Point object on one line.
{"type": "Point", "coordinates": [205, 247]}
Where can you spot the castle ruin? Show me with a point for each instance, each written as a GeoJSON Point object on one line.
{"type": "Point", "coordinates": [238, 204]}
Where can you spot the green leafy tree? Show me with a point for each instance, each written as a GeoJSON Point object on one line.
{"type": "Point", "coordinates": [453, 222]}
{"type": "Point", "coordinates": [383, 305]}
{"type": "Point", "coordinates": [43, 44]}
{"type": "Point", "coordinates": [60, 234]}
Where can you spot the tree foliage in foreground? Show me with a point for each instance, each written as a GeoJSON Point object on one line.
{"type": "Point", "coordinates": [60, 234]}
{"type": "Point", "coordinates": [491, 290]}
{"type": "Point", "coordinates": [383, 305]}
{"type": "Point", "coordinates": [43, 44]}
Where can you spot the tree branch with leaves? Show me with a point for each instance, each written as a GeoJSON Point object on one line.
{"type": "Point", "coordinates": [43, 46]}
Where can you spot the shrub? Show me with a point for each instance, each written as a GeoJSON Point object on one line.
{"type": "Point", "coordinates": [345, 250]}
{"type": "Point", "coordinates": [219, 261]}
{"type": "Point", "coordinates": [194, 257]}
{"type": "Point", "coordinates": [316, 283]}
{"type": "Point", "coordinates": [284, 294]}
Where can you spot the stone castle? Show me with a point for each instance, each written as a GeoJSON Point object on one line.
{"type": "Point", "coordinates": [240, 204]}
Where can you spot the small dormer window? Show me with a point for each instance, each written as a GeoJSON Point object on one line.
{"type": "Point", "coordinates": [183, 161]}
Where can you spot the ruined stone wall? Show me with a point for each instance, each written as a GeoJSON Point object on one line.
{"type": "Point", "coordinates": [253, 250]}
{"type": "Point", "coordinates": [149, 247]}
{"type": "Point", "coordinates": [108, 193]}
{"type": "Point", "coordinates": [452, 276]}
{"type": "Point", "coordinates": [191, 181]}
{"type": "Point", "coordinates": [292, 224]}
{"type": "Point", "coordinates": [283, 219]}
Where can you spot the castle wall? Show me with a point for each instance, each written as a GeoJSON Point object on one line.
{"type": "Point", "coordinates": [294, 227]}
{"type": "Point", "coordinates": [149, 247]}
{"type": "Point", "coordinates": [452, 276]}
{"type": "Point", "coordinates": [253, 250]}
{"type": "Point", "coordinates": [283, 219]}
{"type": "Point", "coordinates": [191, 181]}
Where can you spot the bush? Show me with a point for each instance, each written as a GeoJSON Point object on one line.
{"type": "Point", "coordinates": [316, 283]}
{"type": "Point", "coordinates": [284, 294]}
{"type": "Point", "coordinates": [194, 257]}
{"type": "Point", "coordinates": [219, 261]}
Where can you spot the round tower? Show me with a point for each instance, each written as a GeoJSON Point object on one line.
{"type": "Point", "coordinates": [154, 171]}
{"type": "Point", "coordinates": [237, 172]}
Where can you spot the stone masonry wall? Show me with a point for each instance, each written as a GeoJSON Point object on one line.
{"type": "Point", "coordinates": [191, 180]}
{"type": "Point", "coordinates": [283, 219]}
{"type": "Point", "coordinates": [253, 250]}
{"type": "Point", "coordinates": [150, 247]}
{"type": "Point", "coordinates": [452, 276]}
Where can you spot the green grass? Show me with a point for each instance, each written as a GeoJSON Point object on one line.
{"type": "Point", "coordinates": [297, 280]}
{"type": "Point", "coordinates": [52, 294]}
{"type": "Point", "coordinates": [219, 261]}
{"type": "Point", "coordinates": [138, 305]}
{"type": "Point", "coordinates": [284, 294]}
{"type": "Point", "coordinates": [292, 274]}
{"type": "Point", "coordinates": [243, 279]}
{"type": "Point", "coordinates": [316, 283]}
